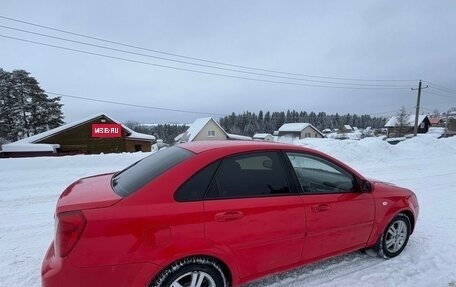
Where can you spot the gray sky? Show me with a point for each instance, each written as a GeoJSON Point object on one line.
{"type": "Point", "coordinates": [393, 40]}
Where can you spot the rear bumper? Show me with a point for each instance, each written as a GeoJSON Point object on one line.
{"type": "Point", "coordinates": [57, 272]}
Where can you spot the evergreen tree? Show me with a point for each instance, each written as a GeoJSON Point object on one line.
{"type": "Point", "coordinates": [25, 109]}
{"type": "Point", "coordinates": [249, 123]}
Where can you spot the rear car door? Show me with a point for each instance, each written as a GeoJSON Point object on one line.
{"type": "Point", "coordinates": [252, 212]}
{"type": "Point", "coordinates": [339, 217]}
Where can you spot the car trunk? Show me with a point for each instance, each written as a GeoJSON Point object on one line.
{"type": "Point", "coordinates": [87, 193]}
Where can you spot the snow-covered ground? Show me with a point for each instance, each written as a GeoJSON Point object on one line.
{"type": "Point", "coordinates": [30, 187]}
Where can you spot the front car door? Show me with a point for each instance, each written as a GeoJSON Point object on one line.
{"type": "Point", "coordinates": [339, 216]}
{"type": "Point", "coordinates": [252, 211]}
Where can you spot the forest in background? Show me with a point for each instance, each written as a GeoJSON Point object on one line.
{"type": "Point", "coordinates": [249, 123]}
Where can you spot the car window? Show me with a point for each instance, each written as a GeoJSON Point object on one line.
{"type": "Point", "coordinates": [138, 174]}
{"type": "Point", "coordinates": [318, 175]}
{"type": "Point", "coordinates": [250, 175]}
{"type": "Point", "coordinates": [196, 186]}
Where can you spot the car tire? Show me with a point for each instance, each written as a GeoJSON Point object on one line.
{"type": "Point", "coordinates": [191, 272]}
{"type": "Point", "coordinates": [395, 237]}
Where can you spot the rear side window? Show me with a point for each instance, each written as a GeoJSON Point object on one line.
{"type": "Point", "coordinates": [195, 187]}
{"type": "Point", "coordinates": [250, 175]}
{"type": "Point", "coordinates": [138, 174]}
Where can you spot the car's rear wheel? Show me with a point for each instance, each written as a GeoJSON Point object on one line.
{"type": "Point", "coordinates": [192, 272]}
{"type": "Point", "coordinates": [395, 236]}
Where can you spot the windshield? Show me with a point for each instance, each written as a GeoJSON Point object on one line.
{"type": "Point", "coordinates": [141, 172]}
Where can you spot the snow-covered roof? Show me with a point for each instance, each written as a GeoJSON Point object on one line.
{"type": "Point", "coordinates": [297, 127]}
{"type": "Point", "coordinates": [197, 126]}
{"type": "Point", "coordinates": [293, 127]}
{"type": "Point", "coordinates": [347, 127]}
{"type": "Point", "coordinates": [239, 137]}
{"type": "Point", "coordinates": [49, 133]}
{"type": "Point", "coordinates": [434, 120]}
{"type": "Point", "coordinates": [261, 135]}
{"type": "Point", "coordinates": [409, 122]}
{"type": "Point", "coordinates": [178, 137]}
{"type": "Point", "coordinates": [14, 147]}
{"type": "Point", "coordinates": [139, 136]}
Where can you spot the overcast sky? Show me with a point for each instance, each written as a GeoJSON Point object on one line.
{"type": "Point", "coordinates": [374, 40]}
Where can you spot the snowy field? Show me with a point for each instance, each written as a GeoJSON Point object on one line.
{"type": "Point", "coordinates": [30, 187]}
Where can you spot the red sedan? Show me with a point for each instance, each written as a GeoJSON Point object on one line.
{"type": "Point", "coordinates": [220, 214]}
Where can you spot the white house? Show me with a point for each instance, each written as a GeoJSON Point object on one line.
{"type": "Point", "coordinates": [207, 129]}
{"type": "Point", "coordinates": [300, 130]}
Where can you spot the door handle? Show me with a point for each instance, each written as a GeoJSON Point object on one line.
{"type": "Point", "coordinates": [320, 207]}
{"type": "Point", "coordinates": [228, 216]}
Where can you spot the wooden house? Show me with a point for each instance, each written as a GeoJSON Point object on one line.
{"type": "Point", "coordinates": [79, 138]}
{"type": "Point", "coordinates": [395, 130]}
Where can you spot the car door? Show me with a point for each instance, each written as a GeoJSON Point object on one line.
{"type": "Point", "coordinates": [339, 217]}
{"type": "Point", "coordinates": [252, 212]}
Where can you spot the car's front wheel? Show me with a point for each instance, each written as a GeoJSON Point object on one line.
{"type": "Point", "coordinates": [395, 236]}
{"type": "Point", "coordinates": [192, 272]}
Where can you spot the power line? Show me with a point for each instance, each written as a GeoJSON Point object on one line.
{"type": "Point", "coordinates": [200, 59]}
{"type": "Point", "coordinates": [132, 105]}
{"type": "Point", "coordinates": [168, 109]}
{"type": "Point", "coordinates": [440, 95]}
{"type": "Point", "coordinates": [196, 64]}
{"type": "Point", "coordinates": [392, 111]}
{"type": "Point", "coordinates": [198, 71]}
{"type": "Point", "coordinates": [440, 87]}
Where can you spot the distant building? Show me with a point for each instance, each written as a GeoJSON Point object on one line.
{"type": "Point", "coordinates": [300, 130]}
{"type": "Point", "coordinates": [207, 129]}
{"type": "Point", "coordinates": [78, 138]}
{"type": "Point", "coordinates": [263, 137]}
{"type": "Point", "coordinates": [347, 129]}
{"type": "Point", "coordinates": [326, 131]}
{"type": "Point", "coordinates": [394, 129]}
{"type": "Point", "coordinates": [436, 121]}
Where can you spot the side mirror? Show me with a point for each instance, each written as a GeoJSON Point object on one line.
{"type": "Point", "coordinates": [366, 186]}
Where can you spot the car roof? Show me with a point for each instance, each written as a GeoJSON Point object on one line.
{"type": "Point", "coordinates": [239, 146]}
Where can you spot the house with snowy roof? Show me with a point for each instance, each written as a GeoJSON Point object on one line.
{"type": "Point", "coordinates": [263, 137]}
{"type": "Point", "coordinates": [347, 129]}
{"type": "Point", "coordinates": [436, 121]}
{"type": "Point", "coordinates": [204, 129]}
{"type": "Point", "coordinates": [80, 137]}
{"type": "Point", "coordinates": [300, 130]}
{"type": "Point", "coordinates": [394, 126]}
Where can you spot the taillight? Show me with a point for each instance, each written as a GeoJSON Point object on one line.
{"type": "Point", "coordinates": [68, 230]}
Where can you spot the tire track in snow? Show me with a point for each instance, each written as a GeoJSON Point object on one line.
{"type": "Point", "coordinates": [321, 272]}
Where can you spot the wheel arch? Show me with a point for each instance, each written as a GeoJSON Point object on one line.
{"type": "Point", "coordinates": [380, 226]}
{"type": "Point", "coordinates": [411, 218]}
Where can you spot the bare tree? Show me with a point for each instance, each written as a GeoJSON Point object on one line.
{"type": "Point", "coordinates": [402, 121]}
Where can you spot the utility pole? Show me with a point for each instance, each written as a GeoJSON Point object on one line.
{"type": "Point", "coordinates": [417, 113]}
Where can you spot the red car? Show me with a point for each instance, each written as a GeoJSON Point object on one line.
{"type": "Point", "coordinates": [220, 214]}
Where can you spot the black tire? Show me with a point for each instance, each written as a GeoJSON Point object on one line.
{"type": "Point", "coordinates": [183, 271]}
{"type": "Point", "coordinates": [395, 237]}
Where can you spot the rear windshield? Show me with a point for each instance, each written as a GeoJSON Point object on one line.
{"type": "Point", "coordinates": [138, 174]}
